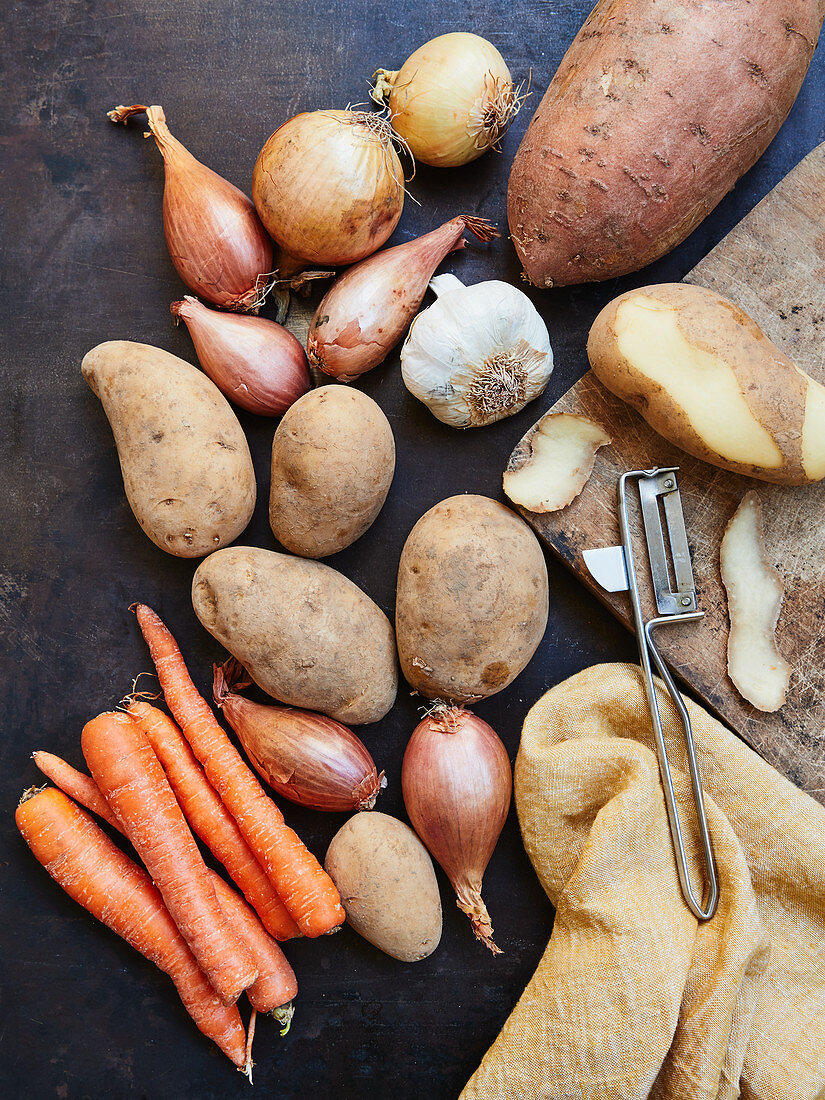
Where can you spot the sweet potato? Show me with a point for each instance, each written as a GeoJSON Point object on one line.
{"type": "Point", "coordinates": [657, 109]}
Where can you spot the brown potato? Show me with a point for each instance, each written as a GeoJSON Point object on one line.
{"type": "Point", "coordinates": [552, 463]}
{"type": "Point", "coordinates": [755, 590]}
{"type": "Point", "coordinates": [472, 599]}
{"type": "Point", "coordinates": [387, 884]}
{"type": "Point", "coordinates": [333, 458]}
{"type": "Point", "coordinates": [706, 377]}
{"type": "Point", "coordinates": [306, 634]}
{"type": "Point", "coordinates": [657, 109]}
{"type": "Point", "coordinates": [186, 466]}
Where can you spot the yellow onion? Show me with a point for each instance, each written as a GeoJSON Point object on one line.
{"type": "Point", "coordinates": [256, 363]}
{"type": "Point", "coordinates": [451, 100]}
{"type": "Point", "coordinates": [329, 187]}
{"type": "Point", "coordinates": [215, 238]}
{"type": "Point", "coordinates": [456, 780]}
{"type": "Point", "coordinates": [367, 310]}
{"type": "Point", "coordinates": [306, 757]}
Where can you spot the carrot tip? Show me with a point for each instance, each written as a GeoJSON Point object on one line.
{"type": "Point", "coordinates": [283, 1014]}
{"type": "Point", "coordinates": [250, 1035]}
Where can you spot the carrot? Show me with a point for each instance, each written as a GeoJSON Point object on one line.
{"type": "Point", "coordinates": [276, 984]}
{"type": "Point", "coordinates": [93, 870]}
{"type": "Point", "coordinates": [132, 781]}
{"type": "Point", "coordinates": [82, 788]}
{"type": "Point", "coordinates": [304, 886]}
{"type": "Point", "coordinates": [210, 819]}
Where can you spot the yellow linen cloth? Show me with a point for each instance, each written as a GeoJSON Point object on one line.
{"type": "Point", "coordinates": [634, 997]}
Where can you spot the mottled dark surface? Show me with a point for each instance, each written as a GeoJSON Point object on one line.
{"type": "Point", "coordinates": [84, 261]}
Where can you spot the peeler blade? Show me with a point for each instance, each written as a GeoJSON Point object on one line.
{"type": "Point", "coordinates": [607, 567]}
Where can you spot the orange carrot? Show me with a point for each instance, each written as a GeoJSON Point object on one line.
{"type": "Point", "coordinates": [210, 819]}
{"type": "Point", "coordinates": [276, 984]}
{"type": "Point", "coordinates": [93, 870]}
{"type": "Point", "coordinates": [304, 886]}
{"type": "Point", "coordinates": [132, 781]}
{"type": "Point", "coordinates": [82, 788]}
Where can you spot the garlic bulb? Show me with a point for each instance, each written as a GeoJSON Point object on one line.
{"type": "Point", "coordinates": [478, 354]}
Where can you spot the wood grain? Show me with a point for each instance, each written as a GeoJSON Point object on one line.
{"type": "Point", "coordinates": [773, 265]}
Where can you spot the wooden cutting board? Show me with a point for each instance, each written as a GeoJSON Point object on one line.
{"type": "Point", "coordinates": [773, 265]}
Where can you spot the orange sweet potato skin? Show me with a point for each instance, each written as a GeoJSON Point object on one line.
{"type": "Point", "coordinates": [657, 109]}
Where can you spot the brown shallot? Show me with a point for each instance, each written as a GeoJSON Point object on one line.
{"type": "Point", "coordinates": [215, 238]}
{"type": "Point", "coordinates": [309, 758]}
{"type": "Point", "coordinates": [368, 309]}
{"type": "Point", "coordinates": [329, 187]}
{"type": "Point", "coordinates": [456, 780]}
{"type": "Point", "coordinates": [256, 363]}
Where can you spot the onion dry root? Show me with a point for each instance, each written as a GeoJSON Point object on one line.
{"type": "Point", "coordinates": [307, 757]}
{"type": "Point", "coordinates": [256, 363]}
{"type": "Point", "coordinates": [457, 781]}
{"type": "Point", "coordinates": [451, 100]}
{"type": "Point", "coordinates": [215, 238]}
{"type": "Point", "coordinates": [368, 309]}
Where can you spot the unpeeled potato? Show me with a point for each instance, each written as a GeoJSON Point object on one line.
{"type": "Point", "coordinates": [387, 884]}
{"type": "Point", "coordinates": [186, 466]}
{"type": "Point", "coordinates": [333, 458]}
{"type": "Point", "coordinates": [472, 599]}
{"type": "Point", "coordinates": [305, 633]}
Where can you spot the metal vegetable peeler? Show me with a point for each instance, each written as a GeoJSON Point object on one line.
{"type": "Point", "coordinates": [613, 567]}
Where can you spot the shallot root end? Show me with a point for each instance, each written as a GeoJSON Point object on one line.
{"type": "Point", "coordinates": [480, 227]}
{"type": "Point", "coordinates": [476, 910]}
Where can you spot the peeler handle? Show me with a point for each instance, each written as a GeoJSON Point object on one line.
{"type": "Point", "coordinates": [647, 649]}
{"type": "Point", "coordinates": [703, 911]}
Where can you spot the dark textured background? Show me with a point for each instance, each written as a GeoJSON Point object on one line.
{"type": "Point", "coordinates": [84, 261]}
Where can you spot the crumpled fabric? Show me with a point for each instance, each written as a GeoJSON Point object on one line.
{"type": "Point", "coordinates": [633, 996]}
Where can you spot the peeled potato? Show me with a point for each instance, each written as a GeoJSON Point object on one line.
{"type": "Point", "coordinates": [551, 465]}
{"type": "Point", "coordinates": [755, 590]}
{"type": "Point", "coordinates": [704, 375]}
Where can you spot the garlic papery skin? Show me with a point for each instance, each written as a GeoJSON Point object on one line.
{"type": "Point", "coordinates": [477, 354]}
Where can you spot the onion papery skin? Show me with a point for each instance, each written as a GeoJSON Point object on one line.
{"type": "Point", "coordinates": [368, 309]}
{"type": "Point", "coordinates": [215, 238]}
{"type": "Point", "coordinates": [306, 757]}
{"type": "Point", "coordinates": [457, 782]}
{"type": "Point", "coordinates": [329, 187]}
{"type": "Point", "coordinates": [451, 100]}
{"type": "Point", "coordinates": [256, 363]}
